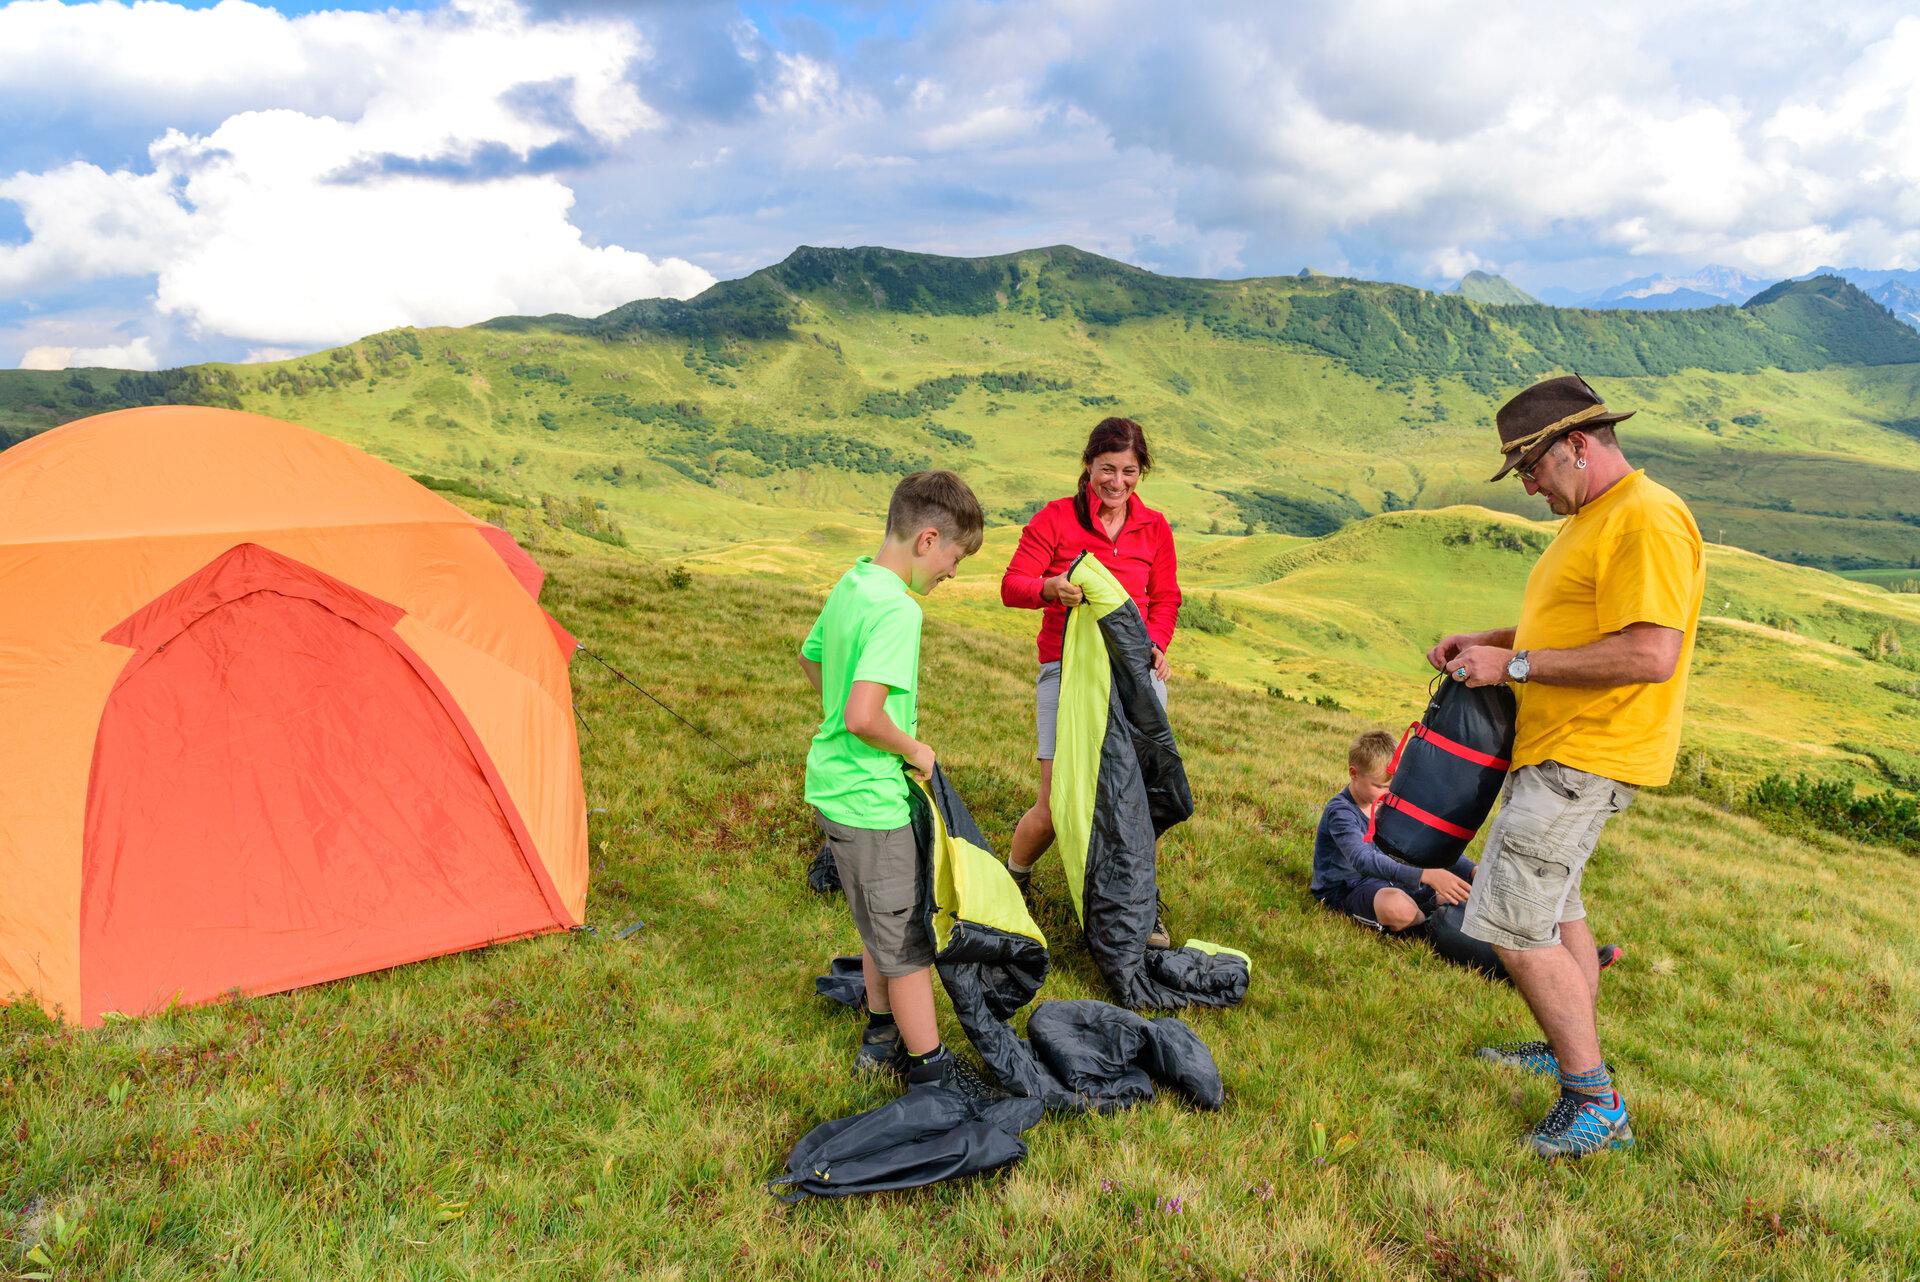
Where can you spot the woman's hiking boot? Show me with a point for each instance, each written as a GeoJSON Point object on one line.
{"type": "Point", "coordinates": [1579, 1125]}
{"type": "Point", "coordinates": [1159, 936]}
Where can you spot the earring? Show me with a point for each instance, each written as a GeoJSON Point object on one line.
{"type": "Point", "coordinates": [1579, 462]}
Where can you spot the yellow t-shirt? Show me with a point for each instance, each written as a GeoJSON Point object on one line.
{"type": "Point", "coordinates": [1633, 555]}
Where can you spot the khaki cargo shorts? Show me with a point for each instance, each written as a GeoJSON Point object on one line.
{"type": "Point", "coordinates": [1529, 878]}
{"type": "Point", "coordinates": [879, 872]}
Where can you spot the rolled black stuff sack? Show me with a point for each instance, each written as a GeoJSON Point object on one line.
{"type": "Point", "coordinates": [1447, 773]}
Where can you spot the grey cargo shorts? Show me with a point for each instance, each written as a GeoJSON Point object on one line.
{"type": "Point", "coordinates": [1529, 879]}
{"type": "Point", "coordinates": [879, 875]}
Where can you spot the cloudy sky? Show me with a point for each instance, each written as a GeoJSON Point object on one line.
{"type": "Point", "coordinates": [192, 181]}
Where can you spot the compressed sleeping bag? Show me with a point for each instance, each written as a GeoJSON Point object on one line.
{"type": "Point", "coordinates": [1447, 773]}
{"type": "Point", "coordinates": [1118, 783]}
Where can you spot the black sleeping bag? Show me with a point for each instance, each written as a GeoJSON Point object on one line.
{"type": "Point", "coordinates": [1447, 773]}
{"type": "Point", "coordinates": [1078, 1056]}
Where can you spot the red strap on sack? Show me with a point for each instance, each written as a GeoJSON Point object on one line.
{"type": "Point", "coordinates": [1373, 811]}
{"type": "Point", "coordinates": [1460, 750]}
{"type": "Point", "coordinates": [1428, 818]}
{"type": "Point", "coordinates": [1402, 747]}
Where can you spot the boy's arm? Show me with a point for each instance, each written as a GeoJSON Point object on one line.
{"type": "Point", "coordinates": [812, 669]}
{"type": "Point", "coordinates": [866, 719]}
{"type": "Point", "coordinates": [1349, 832]}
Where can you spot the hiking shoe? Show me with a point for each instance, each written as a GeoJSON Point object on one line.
{"type": "Point", "coordinates": [1159, 936]}
{"type": "Point", "coordinates": [1022, 877]}
{"type": "Point", "coordinates": [1579, 1125]}
{"type": "Point", "coordinates": [955, 1074]}
{"type": "Point", "coordinates": [1533, 1057]}
{"type": "Point", "coordinates": [881, 1053]}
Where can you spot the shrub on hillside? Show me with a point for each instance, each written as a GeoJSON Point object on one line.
{"type": "Point", "coordinates": [1206, 616]}
{"type": "Point", "coordinates": [1884, 817]}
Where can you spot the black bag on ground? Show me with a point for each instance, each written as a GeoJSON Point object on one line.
{"type": "Point", "coordinates": [927, 1135]}
{"type": "Point", "coordinates": [1447, 773]}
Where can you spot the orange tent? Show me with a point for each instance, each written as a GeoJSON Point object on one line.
{"type": "Point", "coordinates": [274, 713]}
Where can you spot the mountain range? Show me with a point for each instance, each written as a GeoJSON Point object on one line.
{"type": "Point", "coordinates": [1717, 286]}
{"type": "Point", "coordinates": [793, 397]}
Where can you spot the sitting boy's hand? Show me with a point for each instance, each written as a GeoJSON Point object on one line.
{"type": "Point", "coordinates": [920, 761]}
{"type": "Point", "coordinates": [1447, 888]}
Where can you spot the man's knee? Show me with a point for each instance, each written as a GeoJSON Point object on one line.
{"type": "Point", "coordinates": [1395, 909]}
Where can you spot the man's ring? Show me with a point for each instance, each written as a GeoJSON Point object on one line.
{"type": "Point", "coordinates": [1459, 674]}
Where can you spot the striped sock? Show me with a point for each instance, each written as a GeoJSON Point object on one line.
{"type": "Point", "coordinates": [1596, 1082]}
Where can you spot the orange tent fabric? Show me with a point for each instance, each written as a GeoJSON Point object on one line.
{"type": "Point", "coordinates": [274, 714]}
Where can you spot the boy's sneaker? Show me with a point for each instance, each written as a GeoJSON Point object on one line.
{"type": "Point", "coordinates": [1579, 1125]}
{"type": "Point", "coordinates": [882, 1052]}
{"type": "Point", "coordinates": [1532, 1057]}
{"type": "Point", "coordinates": [1611, 953]}
{"type": "Point", "coordinates": [1022, 877]}
{"type": "Point", "coordinates": [949, 1070]}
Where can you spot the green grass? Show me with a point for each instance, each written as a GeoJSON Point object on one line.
{"type": "Point", "coordinates": [583, 1107]}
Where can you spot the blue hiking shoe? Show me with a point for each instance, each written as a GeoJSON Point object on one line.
{"type": "Point", "coordinates": [1580, 1125]}
{"type": "Point", "coordinates": [1534, 1057]}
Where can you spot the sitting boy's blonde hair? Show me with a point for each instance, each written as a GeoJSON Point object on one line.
{"type": "Point", "coordinates": [939, 500]}
{"type": "Point", "coordinates": [1371, 749]}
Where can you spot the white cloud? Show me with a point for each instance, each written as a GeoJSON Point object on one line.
{"type": "Point", "coordinates": [428, 200]}
{"type": "Point", "coordinates": [138, 354]}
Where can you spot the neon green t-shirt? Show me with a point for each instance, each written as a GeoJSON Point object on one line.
{"type": "Point", "coordinates": [869, 630]}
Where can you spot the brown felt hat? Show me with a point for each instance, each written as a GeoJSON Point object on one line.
{"type": "Point", "coordinates": [1546, 411]}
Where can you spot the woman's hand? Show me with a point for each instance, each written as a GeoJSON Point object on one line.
{"type": "Point", "coordinates": [1062, 589]}
{"type": "Point", "coordinates": [1161, 668]}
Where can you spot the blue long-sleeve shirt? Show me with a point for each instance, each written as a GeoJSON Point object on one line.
{"type": "Point", "coordinates": [1343, 857]}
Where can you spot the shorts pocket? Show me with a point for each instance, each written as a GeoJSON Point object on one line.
{"type": "Point", "coordinates": [891, 895]}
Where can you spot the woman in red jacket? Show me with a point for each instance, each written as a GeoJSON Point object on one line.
{"type": "Point", "coordinates": [1104, 517]}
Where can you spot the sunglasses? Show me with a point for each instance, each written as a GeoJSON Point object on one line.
{"type": "Point", "coordinates": [1525, 470]}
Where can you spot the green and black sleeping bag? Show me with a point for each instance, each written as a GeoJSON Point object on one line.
{"type": "Point", "coordinates": [1118, 784]}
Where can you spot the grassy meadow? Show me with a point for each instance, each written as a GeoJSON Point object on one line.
{"type": "Point", "coordinates": [587, 1106]}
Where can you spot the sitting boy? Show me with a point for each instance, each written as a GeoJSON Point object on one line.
{"type": "Point", "coordinates": [1353, 876]}
{"type": "Point", "coordinates": [863, 657]}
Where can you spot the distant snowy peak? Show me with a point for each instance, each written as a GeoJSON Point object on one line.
{"type": "Point", "coordinates": [1711, 286]}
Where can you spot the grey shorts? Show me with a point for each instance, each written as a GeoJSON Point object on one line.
{"type": "Point", "coordinates": [1529, 879]}
{"type": "Point", "coordinates": [878, 872]}
{"type": "Point", "coordinates": [1046, 703]}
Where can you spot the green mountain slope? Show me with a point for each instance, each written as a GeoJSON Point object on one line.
{"type": "Point", "coordinates": [1292, 404]}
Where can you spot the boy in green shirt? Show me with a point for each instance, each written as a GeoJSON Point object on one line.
{"type": "Point", "coordinates": [863, 657]}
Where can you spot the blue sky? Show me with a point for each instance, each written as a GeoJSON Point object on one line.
{"type": "Point", "coordinates": [195, 181]}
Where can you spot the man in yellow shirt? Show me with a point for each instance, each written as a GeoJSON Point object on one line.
{"type": "Point", "coordinates": [1599, 665]}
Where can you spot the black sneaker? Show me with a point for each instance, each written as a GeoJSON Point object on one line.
{"type": "Point", "coordinates": [955, 1074]}
{"type": "Point", "coordinates": [881, 1052]}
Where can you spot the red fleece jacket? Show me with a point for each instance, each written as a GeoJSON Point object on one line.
{"type": "Point", "coordinates": [1141, 558]}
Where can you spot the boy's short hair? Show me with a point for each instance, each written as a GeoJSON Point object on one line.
{"type": "Point", "coordinates": [1373, 748]}
{"type": "Point", "coordinates": [941, 500]}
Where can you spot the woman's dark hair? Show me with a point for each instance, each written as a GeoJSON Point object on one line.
{"type": "Point", "coordinates": [1109, 436]}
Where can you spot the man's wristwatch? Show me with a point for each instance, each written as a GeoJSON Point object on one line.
{"type": "Point", "coordinates": [1518, 667]}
